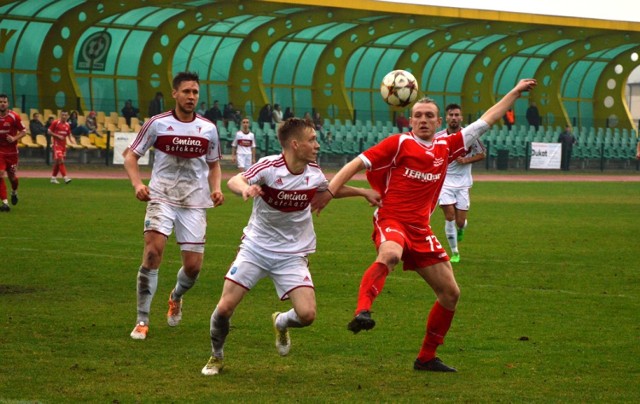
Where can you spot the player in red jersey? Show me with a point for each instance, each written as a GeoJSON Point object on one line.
{"type": "Point", "coordinates": [60, 131]}
{"type": "Point", "coordinates": [11, 130]}
{"type": "Point", "coordinates": [408, 170]}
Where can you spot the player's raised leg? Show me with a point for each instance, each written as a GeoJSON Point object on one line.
{"type": "Point", "coordinates": [184, 282]}
{"type": "Point", "coordinates": [374, 278]}
{"type": "Point", "coordinates": [302, 314]}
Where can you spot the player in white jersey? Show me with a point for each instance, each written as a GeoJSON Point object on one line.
{"type": "Point", "coordinates": [279, 237]}
{"type": "Point", "coordinates": [243, 147]}
{"type": "Point", "coordinates": [454, 197]}
{"type": "Point", "coordinates": [185, 181]}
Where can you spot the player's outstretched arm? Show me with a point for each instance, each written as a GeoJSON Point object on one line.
{"type": "Point", "coordinates": [371, 195]}
{"type": "Point", "coordinates": [349, 170]}
{"type": "Point", "coordinates": [497, 111]}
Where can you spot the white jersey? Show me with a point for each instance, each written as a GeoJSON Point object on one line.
{"type": "Point", "coordinates": [244, 142]}
{"type": "Point", "coordinates": [459, 175]}
{"type": "Point", "coordinates": [281, 218]}
{"type": "Point", "coordinates": [182, 153]}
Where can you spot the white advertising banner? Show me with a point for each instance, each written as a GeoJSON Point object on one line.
{"type": "Point", "coordinates": [122, 140]}
{"type": "Point", "coordinates": [545, 156]}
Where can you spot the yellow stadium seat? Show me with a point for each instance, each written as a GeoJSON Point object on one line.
{"type": "Point", "coordinates": [27, 141]}
{"type": "Point", "coordinates": [74, 145]}
{"type": "Point", "coordinates": [100, 141]}
{"type": "Point", "coordinates": [86, 143]}
{"type": "Point", "coordinates": [41, 140]}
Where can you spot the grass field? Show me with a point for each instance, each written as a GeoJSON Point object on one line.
{"type": "Point", "coordinates": [549, 308]}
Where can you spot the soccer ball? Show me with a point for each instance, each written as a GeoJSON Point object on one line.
{"type": "Point", "coordinates": [399, 88]}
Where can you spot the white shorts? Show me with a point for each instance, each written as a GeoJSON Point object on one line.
{"type": "Point", "coordinates": [243, 160]}
{"type": "Point", "coordinates": [455, 196]}
{"type": "Point", "coordinates": [288, 272]}
{"type": "Point", "coordinates": [190, 224]}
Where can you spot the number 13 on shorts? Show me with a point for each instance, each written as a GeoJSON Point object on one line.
{"type": "Point", "coordinates": [434, 244]}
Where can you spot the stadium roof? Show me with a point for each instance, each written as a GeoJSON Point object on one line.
{"type": "Point", "coordinates": [80, 54]}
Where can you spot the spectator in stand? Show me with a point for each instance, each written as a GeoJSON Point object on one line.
{"type": "Point", "coordinates": [203, 109]}
{"type": "Point", "coordinates": [97, 138]}
{"type": "Point", "coordinates": [49, 122]}
{"type": "Point", "coordinates": [568, 140]}
{"type": "Point", "coordinates": [328, 138]}
{"type": "Point", "coordinates": [76, 129]}
{"type": "Point", "coordinates": [402, 122]}
{"type": "Point", "coordinates": [129, 111]}
{"type": "Point", "coordinates": [317, 121]}
{"type": "Point", "coordinates": [509, 118]}
{"type": "Point", "coordinates": [214, 114]}
{"type": "Point", "coordinates": [156, 105]}
{"type": "Point", "coordinates": [231, 115]}
{"type": "Point", "coordinates": [91, 122]}
{"type": "Point", "coordinates": [533, 115]}
{"type": "Point", "coordinates": [288, 113]}
{"type": "Point", "coordinates": [265, 115]}
{"type": "Point", "coordinates": [36, 127]}
{"type": "Point", "coordinates": [276, 116]}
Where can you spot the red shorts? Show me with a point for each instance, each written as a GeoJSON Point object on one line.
{"type": "Point", "coordinates": [9, 162]}
{"type": "Point", "coordinates": [59, 153]}
{"type": "Point", "coordinates": [421, 247]}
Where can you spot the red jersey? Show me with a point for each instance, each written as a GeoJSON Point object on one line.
{"type": "Point", "coordinates": [409, 174]}
{"type": "Point", "coordinates": [60, 128]}
{"type": "Point", "coordinates": [10, 125]}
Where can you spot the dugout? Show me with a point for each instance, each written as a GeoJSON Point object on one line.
{"type": "Point", "coordinates": [330, 58]}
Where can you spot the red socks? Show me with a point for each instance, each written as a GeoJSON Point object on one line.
{"type": "Point", "coordinates": [371, 285]}
{"type": "Point", "coordinates": [438, 325]}
{"type": "Point", "coordinates": [3, 190]}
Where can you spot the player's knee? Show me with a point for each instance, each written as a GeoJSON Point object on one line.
{"type": "Point", "coordinates": [307, 316]}
{"type": "Point", "coordinates": [224, 309]}
{"type": "Point", "coordinates": [391, 261]}
{"type": "Point", "coordinates": [152, 258]}
{"type": "Point", "coordinates": [450, 296]}
{"type": "Point", "coordinates": [192, 271]}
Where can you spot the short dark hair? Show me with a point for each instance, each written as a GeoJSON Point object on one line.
{"type": "Point", "coordinates": [293, 127]}
{"type": "Point", "coordinates": [4, 96]}
{"type": "Point", "coordinates": [452, 106]}
{"type": "Point", "coordinates": [185, 76]}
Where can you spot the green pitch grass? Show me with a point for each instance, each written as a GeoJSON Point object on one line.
{"type": "Point", "coordinates": [549, 308]}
